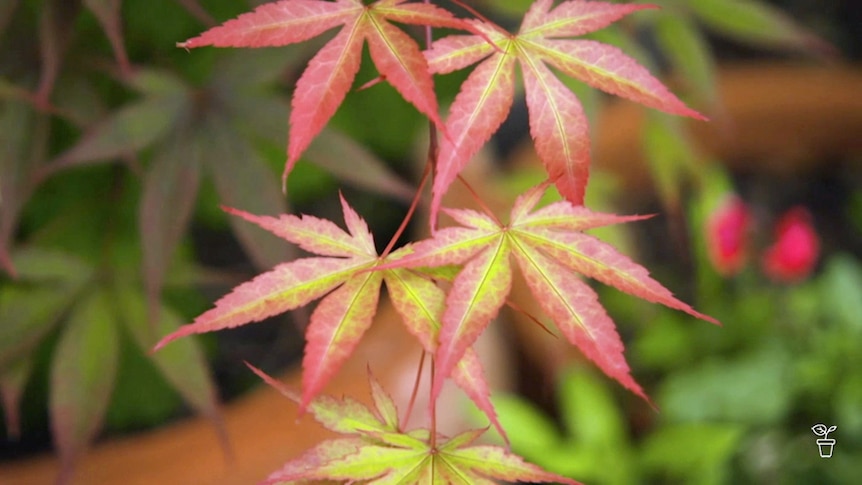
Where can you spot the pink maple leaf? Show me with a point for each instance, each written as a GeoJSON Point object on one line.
{"type": "Point", "coordinates": [557, 121]}
{"type": "Point", "coordinates": [331, 72]}
{"type": "Point", "coordinates": [348, 275]}
{"type": "Point", "coordinates": [550, 249]}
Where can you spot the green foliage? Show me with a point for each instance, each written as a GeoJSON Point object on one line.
{"type": "Point", "coordinates": [735, 410]}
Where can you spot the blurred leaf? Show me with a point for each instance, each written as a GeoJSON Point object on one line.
{"type": "Point", "coordinates": [49, 283]}
{"type": "Point", "coordinates": [668, 152]}
{"type": "Point", "coordinates": [82, 377]}
{"type": "Point", "coordinates": [170, 191]}
{"type": "Point", "coordinates": [690, 56]}
{"type": "Point", "coordinates": [10, 91]}
{"type": "Point", "coordinates": [241, 81]}
{"type": "Point", "coordinates": [108, 13]}
{"type": "Point", "coordinates": [530, 431]}
{"type": "Point", "coordinates": [666, 344]}
{"type": "Point", "coordinates": [131, 128]}
{"type": "Point", "coordinates": [595, 421]}
{"type": "Point", "coordinates": [243, 180]}
{"type": "Point", "coordinates": [17, 126]}
{"type": "Point", "coordinates": [757, 23]}
{"type": "Point", "coordinates": [625, 41]}
{"type": "Point", "coordinates": [156, 82]}
{"type": "Point", "coordinates": [751, 389]}
{"type": "Point", "coordinates": [840, 290]}
{"type": "Point", "coordinates": [78, 100]}
{"type": "Point", "coordinates": [198, 12]}
{"type": "Point", "coordinates": [691, 453]}
{"type": "Point", "coordinates": [352, 163]}
{"type": "Point", "coordinates": [261, 118]}
{"type": "Point", "coordinates": [245, 72]}
{"type": "Point", "coordinates": [848, 402]}
{"type": "Point", "coordinates": [183, 364]}
{"type": "Point", "coordinates": [589, 411]}
{"type": "Point", "coordinates": [7, 8]}
{"type": "Point", "coordinates": [38, 265]}
{"type": "Point", "coordinates": [13, 378]}
{"type": "Point", "coordinates": [142, 398]}
{"type": "Point", "coordinates": [55, 26]}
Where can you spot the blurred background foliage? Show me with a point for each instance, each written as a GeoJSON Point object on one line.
{"type": "Point", "coordinates": [116, 150]}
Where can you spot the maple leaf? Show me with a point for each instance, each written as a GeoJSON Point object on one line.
{"type": "Point", "coordinates": [330, 73]}
{"type": "Point", "coordinates": [348, 273]}
{"type": "Point", "coordinates": [557, 121]}
{"type": "Point", "coordinates": [549, 249]}
{"type": "Point", "coordinates": [375, 450]}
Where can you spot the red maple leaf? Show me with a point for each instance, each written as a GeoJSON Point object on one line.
{"type": "Point", "coordinates": [330, 73]}
{"type": "Point", "coordinates": [348, 274]}
{"type": "Point", "coordinates": [557, 121]}
{"type": "Point", "coordinates": [549, 248]}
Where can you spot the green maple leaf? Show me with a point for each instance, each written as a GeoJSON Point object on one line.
{"type": "Point", "coordinates": [375, 451]}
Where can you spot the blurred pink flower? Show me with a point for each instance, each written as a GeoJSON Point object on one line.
{"type": "Point", "coordinates": [727, 236]}
{"type": "Point", "coordinates": [794, 254]}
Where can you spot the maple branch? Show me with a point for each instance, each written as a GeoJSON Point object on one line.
{"type": "Point", "coordinates": [415, 389]}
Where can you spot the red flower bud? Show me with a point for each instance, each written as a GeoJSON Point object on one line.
{"type": "Point", "coordinates": [793, 255]}
{"type": "Point", "coordinates": [727, 236]}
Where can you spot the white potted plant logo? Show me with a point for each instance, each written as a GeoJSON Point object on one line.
{"type": "Point", "coordinates": [825, 444]}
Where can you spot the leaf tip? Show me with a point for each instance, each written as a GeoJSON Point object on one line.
{"type": "Point", "coordinates": [696, 115]}
{"type": "Point", "coordinates": [183, 331]}
{"type": "Point", "coordinates": [230, 210]}
{"type": "Point", "coordinates": [161, 343]}
{"type": "Point", "coordinates": [6, 263]}
{"type": "Point", "coordinates": [284, 177]}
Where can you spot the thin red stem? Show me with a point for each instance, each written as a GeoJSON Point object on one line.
{"type": "Point", "coordinates": [479, 201]}
{"type": "Point", "coordinates": [416, 198]}
{"type": "Point", "coordinates": [433, 406]}
{"type": "Point", "coordinates": [430, 164]}
{"type": "Point", "coordinates": [472, 11]}
{"type": "Point", "coordinates": [514, 306]}
{"type": "Point", "coordinates": [415, 389]}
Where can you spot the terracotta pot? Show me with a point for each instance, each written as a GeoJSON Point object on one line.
{"type": "Point", "coordinates": [785, 117]}
{"type": "Point", "coordinates": [773, 113]}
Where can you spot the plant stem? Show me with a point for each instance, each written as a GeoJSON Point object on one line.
{"type": "Point", "coordinates": [416, 198]}
{"type": "Point", "coordinates": [479, 200]}
{"type": "Point", "coordinates": [433, 409]}
{"type": "Point", "coordinates": [415, 389]}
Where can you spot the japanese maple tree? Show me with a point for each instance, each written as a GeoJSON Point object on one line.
{"type": "Point", "coordinates": [474, 259]}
